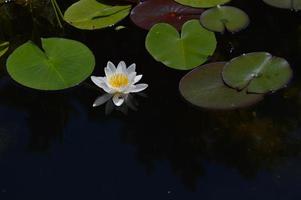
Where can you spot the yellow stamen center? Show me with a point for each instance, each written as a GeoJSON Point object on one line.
{"type": "Point", "coordinates": [118, 80]}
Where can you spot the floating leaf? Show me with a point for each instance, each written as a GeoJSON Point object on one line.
{"type": "Point", "coordinates": [63, 64]}
{"type": "Point", "coordinates": [90, 14]}
{"type": "Point", "coordinates": [202, 3]}
{"type": "Point", "coordinates": [182, 51]}
{"type": "Point", "coordinates": [204, 87]}
{"type": "Point", "coordinates": [3, 48]}
{"type": "Point", "coordinates": [127, 1]}
{"type": "Point", "coordinates": [260, 72]}
{"type": "Point", "coordinates": [287, 4]}
{"type": "Point", "coordinates": [148, 13]}
{"type": "Point", "coordinates": [225, 17]}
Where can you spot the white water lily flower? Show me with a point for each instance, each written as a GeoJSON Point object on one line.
{"type": "Point", "coordinates": [118, 83]}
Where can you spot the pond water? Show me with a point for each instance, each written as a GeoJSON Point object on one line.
{"type": "Point", "coordinates": [55, 145]}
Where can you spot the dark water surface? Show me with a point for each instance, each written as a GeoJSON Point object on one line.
{"type": "Point", "coordinates": [56, 146]}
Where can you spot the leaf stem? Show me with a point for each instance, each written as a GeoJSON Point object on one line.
{"type": "Point", "coordinates": [58, 9]}
{"type": "Point", "coordinates": [57, 12]}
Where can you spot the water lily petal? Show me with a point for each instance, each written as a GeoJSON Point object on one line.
{"type": "Point", "coordinates": [131, 68]}
{"type": "Point", "coordinates": [98, 80]}
{"type": "Point", "coordinates": [121, 68]}
{"type": "Point", "coordinates": [137, 88]}
{"type": "Point", "coordinates": [118, 99]}
{"type": "Point", "coordinates": [123, 89]}
{"type": "Point", "coordinates": [109, 72]}
{"type": "Point", "coordinates": [106, 88]}
{"type": "Point", "coordinates": [137, 79]}
{"type": "Point", "coordinates": [111, 66]}
{"type": "Point", "coordinates": [102, 99]}
{"type": "Point", "coordinates": [131, 77]}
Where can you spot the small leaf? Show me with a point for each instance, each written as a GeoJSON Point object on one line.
{"type": "Point", "coordinates": [202, 3]}
{"type": "Point", "coordinates": [225, 17]}
{"type": "Point", "coordinates": [182, 51]}
{"type": "Point", "coordinates": [90, 14]}
{"type": "Point", "coordinates": [63, 64]}
{"type": "Point", "coordinates": [204, 87]}
{"type": "Point", "coordinates": [259, 72]}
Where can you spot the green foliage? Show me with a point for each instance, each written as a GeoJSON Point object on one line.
{"type": "Point", "coordinates": [225, 17]}
{"type": "Point", "coordinates": [204, 87]}
{"type": "Point", "coordinates": [62, 64]}
{"type": "Point", "coordinates": [90, 14]}
{"type": "Point", "coordinates": [287, 4]}
{"type": "Point", "coordinates": [202, 3]}
{"type": "Point", "coordinates": [259, 72]}
{"type": "Point", "coordinates": [182, 51]}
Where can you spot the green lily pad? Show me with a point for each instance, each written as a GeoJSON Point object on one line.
{"type": "Point", "coordinates": [91, 14]}
{"type": "Point", "coordinates": [182, 51]}
{"type": "Point", "coordinates": [3, 48]}
{"type": "Point", "coordinates": [259, 72]}
{"type": "Point", "coordinates": [63, 64]}
{"type": "Point", "coordinates": [225, 17]}
{"type": "Point", "coordinates": [202, 3]}
{"type": "Point", "coordinates": [287, 4]}
{"type": "Point", "coordinates": [204, 87]}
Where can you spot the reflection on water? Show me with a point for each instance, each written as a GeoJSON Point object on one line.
{"type": "Point", "coordinates": [247, 140]}
{"type": "Point", "coordinates": [47, 114]}
{"type": "Point", "coordinates": [164, 127]}
{"type": "Point", "coordinates": [5, 140]}
{"type": "Point", "coordinates": [130, 103]}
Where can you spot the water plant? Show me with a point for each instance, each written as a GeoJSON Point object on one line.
{"type": "Point", "coordinates": [223, 18]}
{"type": "Point", "coordinates": [3, 48]}
{"type": "Point", "coordinates": [91, 14]}
{"type": "Point", "coordinates": [118, 83]}
{"type": "Point", "coordinates": [181, 36]}
{"type": "Point", "coordinates": [241, 82]}
{"type": "Point", "coordinates": [182, 51]}
{"type": "Point", "coordinates": [258, 72]}
{"type": "Point", "coordinates": [286, 4]}
{"type": "Point", "coordinates": [148, 13]}
{"type": "Point", "coordinates": [62, 63]}
{"type": "Point", "coordinates": [202, 3]}
{"type": "Point", "coordinates": [204, 87]}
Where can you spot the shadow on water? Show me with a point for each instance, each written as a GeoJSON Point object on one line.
{"type": "Point", "coordinates": [47, 114]}
{"type": "Point", "coordinates": [249, 141]}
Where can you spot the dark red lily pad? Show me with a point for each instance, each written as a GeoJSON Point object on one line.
{"type": "Point", "coordinates": [148, 13]}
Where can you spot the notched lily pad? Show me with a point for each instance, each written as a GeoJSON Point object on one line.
{"type": "Point", "coordinates": [225, 17]}
{"type": "Point", "coordinates": [148, 13]}
{"type": "Point", "coordinates": [182, 51]}
{"type": "Point", "coordinates": [90, 14]}
{"type": "Point", "coordinates": [63, 64]}
{"type": "Point", "coordinates": [286, 4]}
{"type": "Point", "coordinates": [204, 87]}
{"type": "Point", "coordinates": [259, 72]}
{"type": "Point", "coordinates": [202, 3]}
{"type": "Point", "coordinates": [3, 48]}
